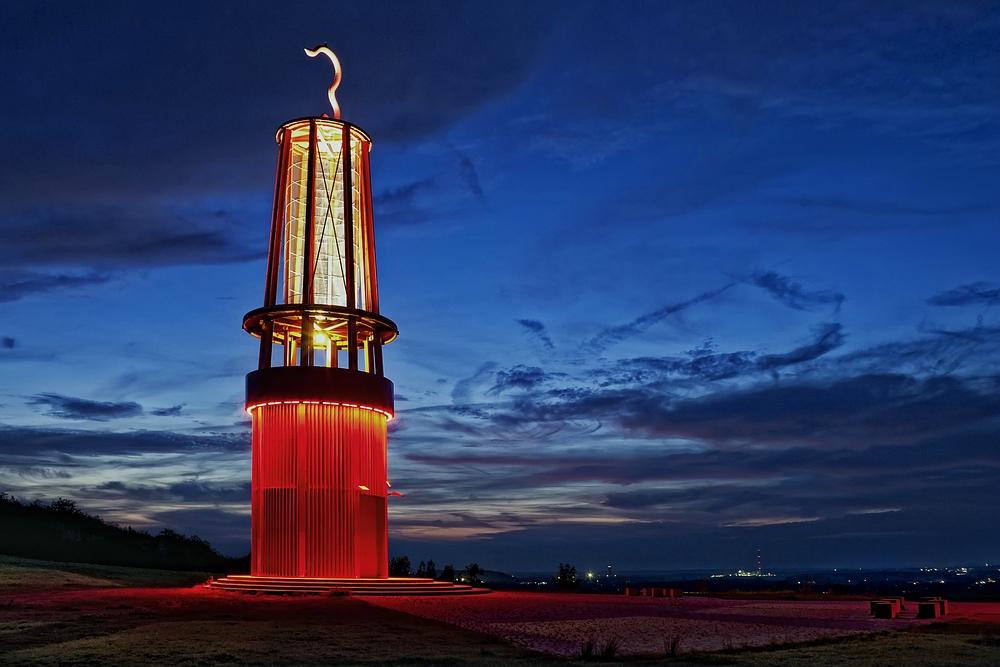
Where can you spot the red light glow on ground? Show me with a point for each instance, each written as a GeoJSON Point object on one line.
{"type": "Point", "coordinates": [561, 624]}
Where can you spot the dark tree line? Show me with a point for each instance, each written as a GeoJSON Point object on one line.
{"type": "Point", "coordinates": [62, 532]}
{"type": "Point", "coordinates": [400, 566]}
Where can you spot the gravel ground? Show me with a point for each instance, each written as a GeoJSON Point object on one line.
{"type": "Point", "coordinates": [561, 624]}
{"type": "Point", "coordinates": [154, 627]}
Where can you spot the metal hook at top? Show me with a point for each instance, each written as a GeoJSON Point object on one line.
{"type": "Point", "coordinates": [332, 93]}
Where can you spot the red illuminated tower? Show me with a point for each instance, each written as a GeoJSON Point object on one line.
{"type": "Point", "coordinates": [319, 412]}
{"type": "Point", "coordinates": [319, 400]}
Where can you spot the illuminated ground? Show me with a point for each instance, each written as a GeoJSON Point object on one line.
{"type": "Point", "coordinates": [57, 620]}
{"type": "Point", "coordinates": [560, 624]}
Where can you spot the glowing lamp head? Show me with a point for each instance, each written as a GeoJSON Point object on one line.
{"type": "Point", "coordinates": [322, 290]}
{"type": "Point", "coordinates": [319, 202]}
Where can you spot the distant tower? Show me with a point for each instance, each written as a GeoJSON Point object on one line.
{"type": "Point", "coordinates": [319, 400]}
{"type": "Point", "coordinates": [758, 562]}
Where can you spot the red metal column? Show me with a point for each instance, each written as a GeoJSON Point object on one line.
{"type": "Point", "coordinates": [369, 226]}
{"type": "Point", "coordinates": [302, 486]}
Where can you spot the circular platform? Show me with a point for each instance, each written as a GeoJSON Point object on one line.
{"type": "Point", "coordinates": [322, 585]}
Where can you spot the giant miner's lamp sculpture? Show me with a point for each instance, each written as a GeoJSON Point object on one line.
{"type": "Point", "coordinates": [319, 400]}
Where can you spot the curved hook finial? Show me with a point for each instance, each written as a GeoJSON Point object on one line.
{"type": "Point", "coordinates": [332, 93]}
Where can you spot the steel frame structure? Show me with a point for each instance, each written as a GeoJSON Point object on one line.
{"type": "Point", "coordinates": [319, 422]}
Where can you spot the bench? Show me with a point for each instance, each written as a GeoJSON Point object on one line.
{"type": "Point", "coordinates": [929, 609]}
{"type": "Point", "coordinates": [887, 609]}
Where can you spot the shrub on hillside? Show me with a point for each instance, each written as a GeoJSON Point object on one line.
{"type": "Point", "coordinates": [60, 531]}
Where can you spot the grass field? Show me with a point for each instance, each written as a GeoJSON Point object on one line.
{"type": "Point", "coordinates": [25, 574]}
{"type": "Point", "coordinates": [66, 623]}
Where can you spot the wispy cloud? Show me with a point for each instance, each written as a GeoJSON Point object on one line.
{"type": "Point", "coordinates": [709, 441]}
{"type": "Point", "coordinates": [462, 392]}
{"type": "Point", "coordinates": [793, 294]}
{"type": "Point", "coordinates": [23, 441]}
{"type": "Point", "coordinates": [17, 285]}
{"type": "Point", "coordinates": [536, 330]}
{"type": "Point", "coordinates": [173, 411]}
{"type": "Point", "coordinates": [145, 232]}
{"type": "Point", "coordinates": [828, 338]}
{"type": "Point", "coordinates": [401, 206]}
{"type": "Point", "coordinates": [177, 492]}
{"type": "Point", "coordinates": [67, 407]}
{"type": "Point", "coordinates": [519, 377]}
{"type": "Point", "coordinates": [769, 521]}
{"type": "Point", "coordinates": [469, 175]}
{"type": "Point", "coordinates": [614, 335]}
{"type": "Point", "coordinates": [974, 294]}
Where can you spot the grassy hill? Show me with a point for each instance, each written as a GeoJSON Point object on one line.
{"type": "Point", "coordinates": [63, 533]}
{"type": "Point", "coordinates": [26, 574]}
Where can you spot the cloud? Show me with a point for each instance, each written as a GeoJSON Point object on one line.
{"type": "Point", "coordinates": [139, 136]}
{"type": "Point", "coordinates": [974, 294]}
{"type": "Point", "coordinates": [715, 480]}
{"type": "Point", "coordinates": [187, 492]}
{"type": "Point", "coordinates": [864, 409]}
{"type": "Point", "coordinates": [703, 364]}
{"type": "Point", "coordinates": [828, 338]}
{"type": "Point", "coordinates": [884, 65]}
{"type": "Point", "coordinates": [407, 74]}
{"type": "Point", "coordinates": [769, 521]}
{"type": "Point", "coordinates": [537, 331]}
{"type": "Point", "coordinates": [614, 335]}
{"type": "Point", "coordinates": [469, 175]}
{"type": "Point", "coordinates": [706, 365]}
{"type": "Point", "coordinates": [728, 500]}
{"type": "Point", "coordinates": [401, 206]}
{"type": "Point", "coordinates": [146, 232]}
{"type": "Point", "coordinates": [16, 285]}
{"type": "Point", "coordinates": [402, 194]}
{"type": "Point", "coordinates": [791, 293]}
{"type": "Point", "coordinates": [888, 394]}
{"type": "Point", "coordinates": [22, 441]}
{"type": "Point", "coordinates": [518, 377]}
{"type": "Point", "coordinates": [462, 392]}
{"type": "Point", "coordinates": [67, 407]}
{"type": "Point", "coordinates": [173, 411]}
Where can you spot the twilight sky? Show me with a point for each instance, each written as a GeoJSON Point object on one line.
{"type": "Point", "coordinates": [674, 280]}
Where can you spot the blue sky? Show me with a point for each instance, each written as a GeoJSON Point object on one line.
{"type": "Point", "coordinates": [674, 281]}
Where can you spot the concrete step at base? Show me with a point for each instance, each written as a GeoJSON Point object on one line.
{"type": "Point", "coordinates": [319, 586]}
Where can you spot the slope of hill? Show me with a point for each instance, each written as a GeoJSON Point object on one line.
{"type": "Point", "coordinates": [26, 574]}
{"type": "Point", "coordinates": [61, 532]}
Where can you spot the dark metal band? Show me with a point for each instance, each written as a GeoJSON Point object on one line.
{"type": "Point", "coordinates": [317, 383]}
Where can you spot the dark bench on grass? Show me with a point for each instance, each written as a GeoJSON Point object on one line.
{"type": "Point", "coordinates": [888, 609]}
{"type": "Point", "coordinates": [932, 607]}
{"type": "Point", "coordinates": [900, 598]}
